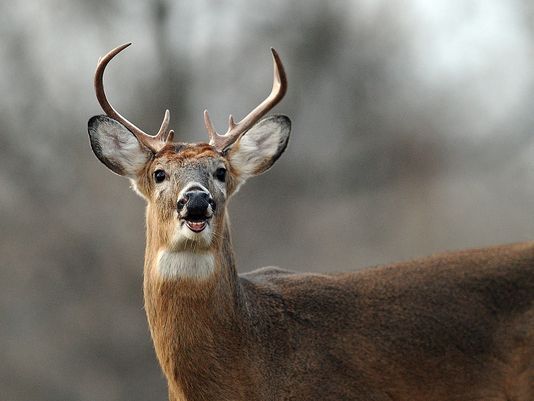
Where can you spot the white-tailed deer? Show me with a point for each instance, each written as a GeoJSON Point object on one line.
{"type": "Point", "coordinates": [457, 326]}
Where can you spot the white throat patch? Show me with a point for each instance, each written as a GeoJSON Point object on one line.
{"type": "Point", "coordinates": [185, 264]}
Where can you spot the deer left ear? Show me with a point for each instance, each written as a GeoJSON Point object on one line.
{"type": "Point", "coordinates": [117, 147]}
{"type": "Point", "coordinates": [257, 149]}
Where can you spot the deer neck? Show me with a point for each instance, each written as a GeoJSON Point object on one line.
{"type": "Point", "coordinates": [191, 314]}
{"type": "Point", "coordinates": [190, 266]}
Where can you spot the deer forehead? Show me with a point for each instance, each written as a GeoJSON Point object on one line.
{"type": "Point", "coordinates": [186, 157]}
{"type": "Point", "coordinates": [187, 152]}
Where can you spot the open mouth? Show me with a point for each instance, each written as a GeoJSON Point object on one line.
{"type": "Point", "coordinates": [196, 225]}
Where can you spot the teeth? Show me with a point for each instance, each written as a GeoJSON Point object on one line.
{"type": "Point", "coordinates": [196, 225]}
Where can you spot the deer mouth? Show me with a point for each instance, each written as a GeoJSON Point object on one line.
{"type": "Point", "coordinates": [196, 225]}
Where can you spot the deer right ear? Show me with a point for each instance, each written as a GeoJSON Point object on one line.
{"type": "Point", "coordinates": [117, 147]}
{"type": "Point", "coordinates": [258, 148]}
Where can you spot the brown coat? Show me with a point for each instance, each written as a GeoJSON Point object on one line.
{"type": "Point", "coordinates": [457, 326]}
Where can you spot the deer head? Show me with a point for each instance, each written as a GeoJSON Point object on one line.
{"type": "Point", "coordinates": [187, 186]}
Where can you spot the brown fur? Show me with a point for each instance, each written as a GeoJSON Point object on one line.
{"type": "Point", "coordinates": [456, 326]}
{"type": "Point", "coordinates": [452, 327]}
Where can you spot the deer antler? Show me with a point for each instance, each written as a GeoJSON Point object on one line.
{"type": "Point", "coordinates": [236, 130]}
{"type": "Point", "coordinates": [153, 142]}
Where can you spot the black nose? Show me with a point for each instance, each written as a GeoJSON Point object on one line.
{"type": "Point", "coordinates": [196, 203]}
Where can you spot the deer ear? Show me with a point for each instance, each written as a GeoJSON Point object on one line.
{"type": "Point", "coordinates": [117, 147]}
{"type": "Point", "coordinates": [258, 148]}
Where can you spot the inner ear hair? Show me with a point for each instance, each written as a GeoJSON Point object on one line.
{"type": "Point", "coordinates": [117, 147]}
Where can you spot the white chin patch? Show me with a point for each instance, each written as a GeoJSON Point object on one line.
{"type": "Point", "coordinates": [185, 264]}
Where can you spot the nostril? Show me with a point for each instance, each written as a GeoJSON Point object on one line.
{"type": "Point", "coordinates": [212, 204]}
{"type": "Point", "coordinates": [181, 203]}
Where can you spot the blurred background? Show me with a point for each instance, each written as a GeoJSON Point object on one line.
{"type": "Point", "coordinates": [412, 133]}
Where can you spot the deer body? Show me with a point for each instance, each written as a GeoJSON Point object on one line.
{"type": "Point", "coordinates": [456, 326]}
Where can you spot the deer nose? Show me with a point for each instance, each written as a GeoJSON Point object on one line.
{"type": "Point", "coordinates": [196, 203]}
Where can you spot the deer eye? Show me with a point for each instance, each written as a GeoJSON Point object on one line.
{"type": "Point", "coordinates": [220, 174]}
{"type": "Point", "coordinates": [159, 176]}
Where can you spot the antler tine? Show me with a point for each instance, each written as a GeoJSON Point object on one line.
{"type": "Point", "coordinates": [231, 122]}
{"type": "Point", "coordinates": [170, 136]}
{"type": "Point", "coordinates": [236, 130]}
{"type": "Point", "coordinates": [209, 127]}
{"type": "Point", "coordinates": [164, 128]}
{"type": "Point", "coordinates": [154, 143]}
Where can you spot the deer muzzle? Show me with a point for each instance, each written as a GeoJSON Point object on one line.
{"type": "Point", "coordinates": [195, 207]}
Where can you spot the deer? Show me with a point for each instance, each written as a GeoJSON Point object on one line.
{"type": "Point", "coordinates": [456, 326]}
